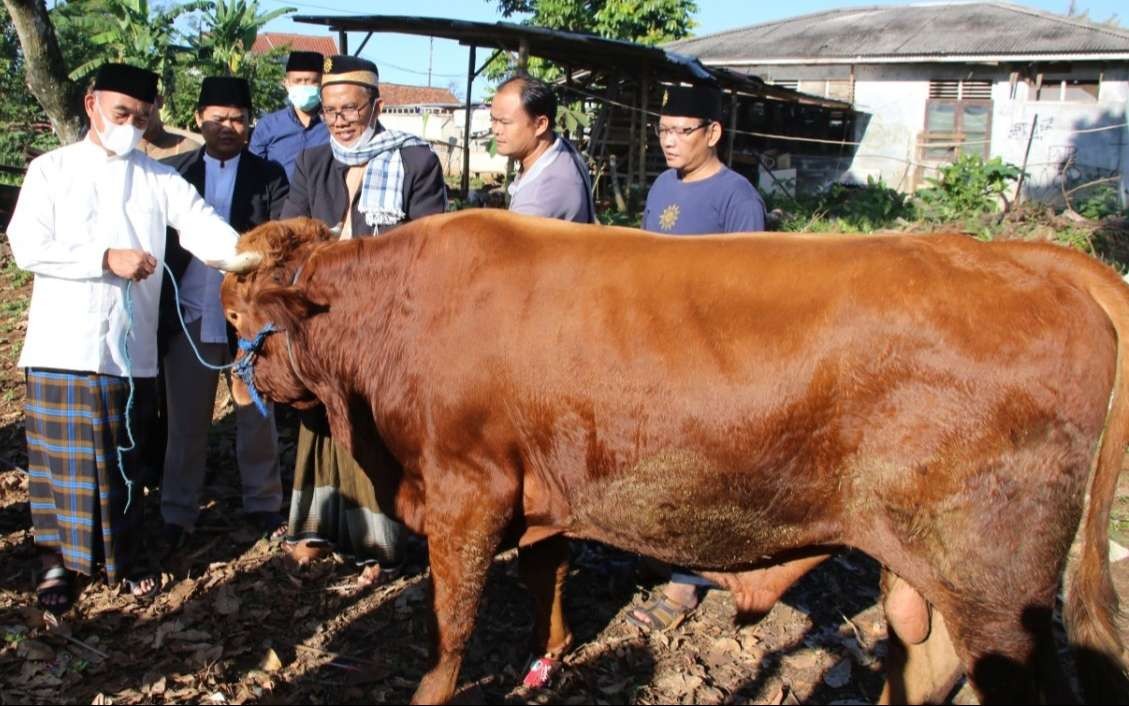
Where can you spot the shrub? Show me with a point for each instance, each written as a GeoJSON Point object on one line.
{"type": "Point", "coordinates": [1098, 202]}
{"type": "Point", "coordinates": [845, 208]}
{"type": "Point", "coordinates": [966, 188]}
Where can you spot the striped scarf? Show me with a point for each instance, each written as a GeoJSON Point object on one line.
{"type": "Point", "coordinates": [382, 191]}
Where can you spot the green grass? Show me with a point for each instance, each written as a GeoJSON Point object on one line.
{"type": "Point", "coordinates": [19, 278]}
{"type": "Point", "coordinates": [1119, 519]}
{"type": "Point", "coordinates": [14, 307]}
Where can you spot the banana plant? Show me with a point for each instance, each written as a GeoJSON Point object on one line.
{"type": "Point", "coordinates": [232, 26]}
{"type": "Point", "coordinates": [131, 31]}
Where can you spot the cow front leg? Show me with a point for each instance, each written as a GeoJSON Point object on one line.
{"type": "Point", "coordinates": [462, 541]}
{"type": "Point", "coordinates": [544, 569]}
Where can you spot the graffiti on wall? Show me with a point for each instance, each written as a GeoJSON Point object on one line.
{"type": "Point", "coordinates": [1020, 131]}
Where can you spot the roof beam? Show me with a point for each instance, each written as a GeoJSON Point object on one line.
{"type": "Point", "coordinates": [918, 59]}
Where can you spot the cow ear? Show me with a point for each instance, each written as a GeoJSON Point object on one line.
{"type": "Point", "coordinates": [285, 307]}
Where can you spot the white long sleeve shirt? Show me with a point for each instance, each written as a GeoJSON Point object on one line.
{"type": "Point", "coordinates": [75, 203]}
{"type": "Point", "coordinates": [200, 284]}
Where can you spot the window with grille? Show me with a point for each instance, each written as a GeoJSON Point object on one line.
{"type": "Point", "coordinates": [960, 89]}
{"type": "Point", "coordinates": [1070, 90]}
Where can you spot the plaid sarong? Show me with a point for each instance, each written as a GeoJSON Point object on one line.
{"type": "Point", "coordinates": [75, 421]}
{"type": "Point", "coordinates": [336, 501]}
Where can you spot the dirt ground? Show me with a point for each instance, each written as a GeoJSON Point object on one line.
{"type": "Point", "coordinates": [238, 623]}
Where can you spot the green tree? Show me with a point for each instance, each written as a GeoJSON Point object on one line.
{"type": "Point", "coordinates": [263, 71]}
{"type": "Point", "coordinates": [44, 70]}
{"type": "Point", "coordinates": [233, 26]}
{"type": "Point", "coordinates": [130, 31]}
{"type": "Point", "coordinates": [648, 22]}
{"type": "Point", "coordinates": [23, 125]}
{"type": "Point", "coordinates": [221, 46]}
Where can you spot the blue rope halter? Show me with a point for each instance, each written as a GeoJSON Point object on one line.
{"type": "Point", "coordinates": [244, 368]}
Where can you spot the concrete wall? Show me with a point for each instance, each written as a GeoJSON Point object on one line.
{"type": "Point", "coordinates": [895, 100]}
{"type": "Point", "coordinates": [1058, 150]}
{"type": "Point", "coordinates": [892, 100]}
{"type": "Point", "coordinates": [445, 132]}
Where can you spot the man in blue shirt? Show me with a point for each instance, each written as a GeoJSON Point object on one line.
{"type": "Point", "coordinates": [698, 195]}
{"type": "Point", "coordinates": [282, 135]}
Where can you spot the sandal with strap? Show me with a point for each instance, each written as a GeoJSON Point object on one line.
{"type": "Point", "coordinates": [661, 614]}
{"type": "Point", "coordinates": [304, 551]}
{"type": "Point", "coordinates": [55, 590]}
{"type": "Point", "coordinates": [134, 587]}
{"type": "Point", "coordinates": [373, 575]}
{"type": "Point", "coordinates": [539, 672]}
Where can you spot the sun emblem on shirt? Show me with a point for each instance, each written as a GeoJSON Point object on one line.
{"type": "Point", "coordinates": [668, 217]}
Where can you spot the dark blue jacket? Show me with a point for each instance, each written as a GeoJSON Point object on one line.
{"type": "Point", "coordinates": [280, 137]}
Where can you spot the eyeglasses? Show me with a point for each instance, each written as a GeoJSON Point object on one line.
{"type": "Point", "coordinates": [349, 114]}
{"type": "Point", "coordinates": [682, 132]}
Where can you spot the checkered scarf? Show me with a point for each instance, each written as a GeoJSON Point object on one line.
{"type": "Point", "coordinates": [382, 191]}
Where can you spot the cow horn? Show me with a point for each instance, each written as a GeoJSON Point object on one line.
{"type": "Point", "coordinates": [240, 262]}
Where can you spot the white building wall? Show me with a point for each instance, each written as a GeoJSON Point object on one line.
{"type": "Point", "coordinates": [1058, 148]}
{"type": "Point", "coordinates": [894, 99]}
{"type": "Point", "coordinates": [444, 130]}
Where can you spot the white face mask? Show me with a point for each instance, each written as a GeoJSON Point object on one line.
{"type": "Point", "coordinates": [119, 139]}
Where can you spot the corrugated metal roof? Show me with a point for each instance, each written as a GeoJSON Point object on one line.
{"type": "Point", "coordinates": [574, 50]}
{"type": "Point", "coordinates": [954, 29]}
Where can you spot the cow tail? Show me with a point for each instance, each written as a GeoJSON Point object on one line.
{"type": "Point", "coordinates": [1092, 612]}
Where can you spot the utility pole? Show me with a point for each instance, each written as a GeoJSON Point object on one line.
{"type": "Point", "coordinates": [430, 48]}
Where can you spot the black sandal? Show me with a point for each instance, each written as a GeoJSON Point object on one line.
{"type": "Point", "coordinates": [132, 587]}
{"type": "Point", "coordinates": [54, 584]}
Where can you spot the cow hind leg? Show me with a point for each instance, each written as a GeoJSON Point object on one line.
{"type": "Point", "coordinates": [1008, 651]}
{"type": "Point", "coordinates": [463, 536]}
{"type": "Point", "coordinates": [544, 569]}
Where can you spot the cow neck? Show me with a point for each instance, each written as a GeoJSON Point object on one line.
{"type": "Point", "coordinates": [286, 335]}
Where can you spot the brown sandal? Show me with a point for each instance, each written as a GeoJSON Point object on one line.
{"type": "Point", "coordinates": [304, 551]}
{"type": "Point", "coordinates": [373, 575]}
{"type": "Point", "coordinates": [662, 614]}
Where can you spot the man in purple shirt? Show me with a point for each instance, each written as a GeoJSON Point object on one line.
{"type": "Point", "coordinates": [282, 135]}
{"type": "Point", "coordinates": [698, 195]}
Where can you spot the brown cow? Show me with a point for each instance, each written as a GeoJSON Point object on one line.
{"type": "Point", "coordinates": [729, 403]}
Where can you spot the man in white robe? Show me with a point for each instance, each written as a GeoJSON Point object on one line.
{"type": "Point", "coordinates": [90, 224]}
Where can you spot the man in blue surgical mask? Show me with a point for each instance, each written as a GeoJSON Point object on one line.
{"type": "Point", "coordinates": [282, 135]}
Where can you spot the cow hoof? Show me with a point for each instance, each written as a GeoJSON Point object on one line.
{"type": "Point", "coordinates": [540, 672]}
